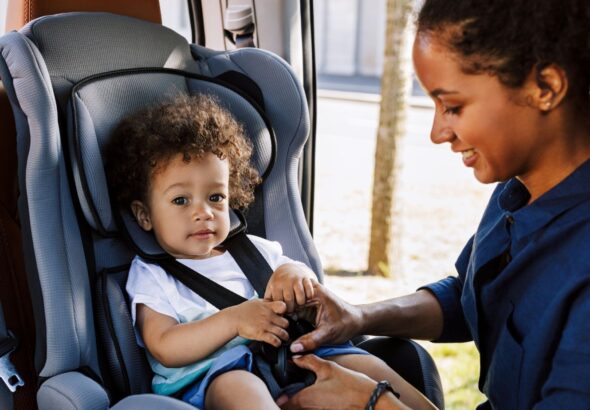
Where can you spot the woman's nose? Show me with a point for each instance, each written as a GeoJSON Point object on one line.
{"type": "Point", "coordinates": [441, 132]}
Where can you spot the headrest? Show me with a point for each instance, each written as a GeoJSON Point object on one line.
{"type": "Point", "coordinates": [75, 46]}
{"type": "Point", "coordinates": [97, 105]}
{"type": "Point", "coordinates": [20, 12]}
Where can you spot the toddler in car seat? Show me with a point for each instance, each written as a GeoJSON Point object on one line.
{"type": "Point", "coordinates": [180, 166]}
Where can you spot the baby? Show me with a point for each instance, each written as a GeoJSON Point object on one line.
{"type": "Point", "coordinates": [179, 167]}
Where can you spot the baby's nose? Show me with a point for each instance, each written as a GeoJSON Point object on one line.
{"type": "Point", "coordinates": [202, 212]}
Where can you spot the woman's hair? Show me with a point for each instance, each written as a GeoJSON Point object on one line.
{"type": "Point", "coordinates": [508, 38]}
{"type": "Point", "coordinates": [146, 141]}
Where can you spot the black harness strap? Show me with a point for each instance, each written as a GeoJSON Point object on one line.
{"type": "Point", "coordinates": [212, 292]}
{"type": "Point", "coordinates": [251, 261]}
{"type": "Point", "coordinates": [248, 258]}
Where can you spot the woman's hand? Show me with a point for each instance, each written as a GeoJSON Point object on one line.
{"type": "Point", "coordinates": [261, 320]}
{"type": "Point", "coordinates": [292, 283]}
{"type": "Point", "coordinates": [336, 388]}
{"type": "Point", "coordinates": [336, 321]}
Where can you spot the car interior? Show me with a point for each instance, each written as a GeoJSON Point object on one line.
{"type": "Point", "coordinates": [70, 71]}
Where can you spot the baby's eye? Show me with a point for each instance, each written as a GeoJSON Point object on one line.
{"type": "Point", "coordinates": [217, 198]}
{"type": "Point", "coordinates": [181, 200]}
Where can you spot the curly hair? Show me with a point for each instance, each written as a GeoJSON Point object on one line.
{"type": "Point", "coordinates": [146, 141]}
{"type": "Point", "coordinates": [508, 38]}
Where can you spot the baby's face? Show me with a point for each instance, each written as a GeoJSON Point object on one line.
{"type": "Point", "coordinates": [188, 206]}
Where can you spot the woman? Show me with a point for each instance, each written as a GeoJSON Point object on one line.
{"type": "Point", "coordinates": [510, 82]}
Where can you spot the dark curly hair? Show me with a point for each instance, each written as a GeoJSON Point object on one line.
{"type": "Point", "coordinates": [192, 126]}
{"type": "Point", "coordinates": [508, 38]}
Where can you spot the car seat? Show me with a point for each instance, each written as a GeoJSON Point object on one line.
{"type": "Point", "coordinates": [70, 78]}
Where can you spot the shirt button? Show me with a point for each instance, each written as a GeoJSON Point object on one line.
{"type": "Point", "coordinates": [510, 219]}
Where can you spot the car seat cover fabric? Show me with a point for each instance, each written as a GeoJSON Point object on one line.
{"type": "Point", "coordinates": [128, 43]}
{"type": "Point", "coordinates": [56, 254]}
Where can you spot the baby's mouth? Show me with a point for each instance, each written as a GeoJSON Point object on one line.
{"type": "Point", "coordinates": [202, 233]}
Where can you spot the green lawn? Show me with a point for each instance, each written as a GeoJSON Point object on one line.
{"type": "Point", "coordinates": [458, 365]}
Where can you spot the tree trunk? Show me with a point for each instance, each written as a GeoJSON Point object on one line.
{"type": "Point", "coordinates": [391, 125]}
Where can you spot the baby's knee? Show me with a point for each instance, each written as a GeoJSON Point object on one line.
{"type": "Point", "coordinates": [231, 379]}
{"type": "Point", "coordinates": [237, 389]}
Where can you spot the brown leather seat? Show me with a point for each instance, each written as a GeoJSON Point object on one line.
{"type": "Point", "coordinates": [20, 12]}
{"type": "Point", "coordinates": [14, 290]}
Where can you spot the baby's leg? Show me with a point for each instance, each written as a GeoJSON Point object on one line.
{"type": "Point", "coordinates": [238, 389]}
{"type": "Point", "coordinates": [378, 370]}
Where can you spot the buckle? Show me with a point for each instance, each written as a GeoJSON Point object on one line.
{"type": "Point", "coordinates": [8, 372]}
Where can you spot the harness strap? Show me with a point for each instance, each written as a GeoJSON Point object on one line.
{"type": "Point", "coordinates": [212, 292]}
{"type": "Point", "coordinates": [251, 261]}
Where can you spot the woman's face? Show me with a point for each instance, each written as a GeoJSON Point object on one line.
{"type": "Point", "coordinates": [494, 128]}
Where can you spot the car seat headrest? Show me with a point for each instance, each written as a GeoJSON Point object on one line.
{"type": "Point", "coordinates": [73, 50]}
{"type": "Point", "coordinates": [20, 12]}
{"type": "Point", "coordinates": [98, 104]}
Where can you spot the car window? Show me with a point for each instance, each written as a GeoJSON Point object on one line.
{"type": "Point", "coordinates": [175, 14]}
{"type": "Point", "coordinates": [3, 5]}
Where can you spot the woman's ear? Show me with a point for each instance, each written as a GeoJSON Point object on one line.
{"type": "Point", "coordinates": [142, 215]}
{"type": "Point", "coordinates": [550, 87]}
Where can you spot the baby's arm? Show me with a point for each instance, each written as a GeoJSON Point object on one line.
{"type": "Point", "coordinates": [178, 344]}
{"type": "Point", "coordinates": [291, 283]}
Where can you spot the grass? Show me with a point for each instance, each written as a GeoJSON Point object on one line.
{"type": "Point", "coordinates": [458, 365]}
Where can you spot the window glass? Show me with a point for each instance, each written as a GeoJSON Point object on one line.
{"type": "Point", "coordinates": [175, 15]}
{"type": "Point", "coordinates": [3, 4]}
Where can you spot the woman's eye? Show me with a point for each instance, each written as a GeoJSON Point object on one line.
{"type": "Point", "coordinates": [452, 110]}
{"type": "Point", "coordinates": [217, 198]}
{"type": "Point", "coordinates": [180, 201]}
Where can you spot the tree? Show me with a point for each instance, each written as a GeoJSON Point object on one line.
{"type": "Point", "coordinates": [391, 126]}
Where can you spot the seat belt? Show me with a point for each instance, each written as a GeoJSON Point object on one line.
{"type": "Point", "coordinates": [248, 258]}
{"type": "Point", "coordinates": [8, 343]}
{"type": "Point", "coordinates": [251, 261]}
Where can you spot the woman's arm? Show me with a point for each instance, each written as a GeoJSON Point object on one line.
{"type": "Point", "coordinates": [414, 316]}
{"type": "Point", "coordinates": [567, 384]}
{"type": "Point", "coordinates": [417, 316]}
{"type": "Point", "coordinates": [177, 344]}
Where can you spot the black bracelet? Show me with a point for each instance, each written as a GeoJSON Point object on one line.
{"type": "Point", "coordinates": [381, 388]}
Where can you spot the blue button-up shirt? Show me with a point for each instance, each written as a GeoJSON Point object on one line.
{"type": "Point", "coordinates": [523, 295]}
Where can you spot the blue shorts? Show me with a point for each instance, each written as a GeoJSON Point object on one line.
{"type": "Point", "coordinates": [242, 358]}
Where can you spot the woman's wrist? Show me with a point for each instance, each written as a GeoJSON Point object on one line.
{"type": "Point", "coordinates": [360, 317]}
{"type": "Point", "coordinates": [382, 388]}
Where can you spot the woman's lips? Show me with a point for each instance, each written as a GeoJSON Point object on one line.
{"type": "Point", "coordinates": [469, 157]}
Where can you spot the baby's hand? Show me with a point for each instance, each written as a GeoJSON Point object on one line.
{"type": "Point", "coordinates": [261, 320]}
{"type": "Point", "coordinates": [291, 283]}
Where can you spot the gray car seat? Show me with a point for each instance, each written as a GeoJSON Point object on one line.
{"type": "Point", "coordinates": [70, 79]}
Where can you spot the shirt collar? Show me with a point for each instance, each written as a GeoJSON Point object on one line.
{"type": "Point", "coordinates": [574, 189]}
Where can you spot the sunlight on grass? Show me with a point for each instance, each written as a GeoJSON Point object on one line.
{"type": "Point", "coordinates": [458, 365]}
